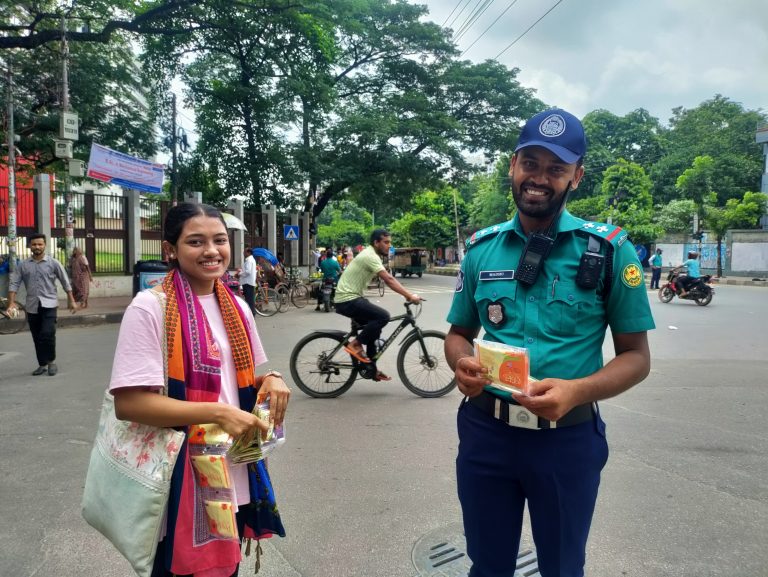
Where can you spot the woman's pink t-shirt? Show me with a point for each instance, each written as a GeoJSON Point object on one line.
{"type": "Point", "coordinates": [139, 360]}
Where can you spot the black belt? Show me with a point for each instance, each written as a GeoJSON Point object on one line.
{"type": "Point", "coordinates": [520, 417]}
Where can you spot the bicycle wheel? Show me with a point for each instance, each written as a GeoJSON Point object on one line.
{"type": "Point", "coordinates": [382, 286]}
{"type": "Point", "coordinates": [11, 326]}
{"type": "Point", "coordinates": [283, 297]}
{"type": "Point", "coordinates": [300, 295]}
{"type": "Point", "coordinates": [320, 367]}
{"type": "Point", "coordinates": [267, 302]}
{"type": "Point", "coordinates": [427, 375]}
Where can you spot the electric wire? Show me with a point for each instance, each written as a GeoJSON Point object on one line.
{"type": "Point", "coordinates": [479, 11]}
{"type": "Point", "coordinates": [484, 32]}
{"type": "Point", "coordinates": [516, 40]}
{"type": "Point", "coordinates": [459, 13]}
{"type": "Point", "coordinates": [451, 14]}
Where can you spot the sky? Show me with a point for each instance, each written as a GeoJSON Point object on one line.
{"type": "Point", "coordinates": [620, 55]}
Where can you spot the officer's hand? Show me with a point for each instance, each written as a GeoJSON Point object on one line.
{"type": "Point", "coordinates": [549, 399]}
{"type": "Point", "coordinates": [471, 377]}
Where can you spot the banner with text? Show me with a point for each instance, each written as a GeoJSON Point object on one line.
{"type": "Point", "coordinates": [121, 169]}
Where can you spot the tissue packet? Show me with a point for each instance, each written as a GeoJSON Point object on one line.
{"type": "Point", "coordinates": [508, 366]}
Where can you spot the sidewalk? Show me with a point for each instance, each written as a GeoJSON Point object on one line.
{"type": "Point", "coordinates": [99, 311]}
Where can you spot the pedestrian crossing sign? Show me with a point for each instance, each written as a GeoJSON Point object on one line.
{"type": "Point", "coordinates": [291, 231]}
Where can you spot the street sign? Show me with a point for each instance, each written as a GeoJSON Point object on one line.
{"type": "Point", "coordinates": [641, 251]}
{"type": "Point", "coordinates": [68, 126]}
{"type": "Point", "coordinates": [291, 231]}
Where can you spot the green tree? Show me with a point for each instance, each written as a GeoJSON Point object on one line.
{"type": "Point", "coordinates": [637, 137]}
{"type": "Point", "coordinates": [628, 190]}
{"type": "Point", "coordinates": [721, 129]}
{"type": "Point", "coordinates": [490, 198]}
{"type": "Point", "coordinates": [676, 216]}
{"type": "Point", "coordinates": [695, 183]}
{"type": "Point", "coordinates": [344, 223]}
{"type": "Point", "coordinates": [106, 89]}
{"type": "Point", "coordinates": [430, 222]}
{"type": "Point", "coordinates": [743, 213]}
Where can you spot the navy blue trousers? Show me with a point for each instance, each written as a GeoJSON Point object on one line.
{"type": "Point", "coordinates": [557, 471]}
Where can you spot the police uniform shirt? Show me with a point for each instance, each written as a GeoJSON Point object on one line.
{"type": "Point", "coordinates": [561, 324]}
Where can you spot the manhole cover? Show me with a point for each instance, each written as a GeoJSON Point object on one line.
{"type": "Point", "coordinates": [443, 553]}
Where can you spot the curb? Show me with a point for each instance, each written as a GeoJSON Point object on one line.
{"type": "Point", "coordinates": [87, 320]}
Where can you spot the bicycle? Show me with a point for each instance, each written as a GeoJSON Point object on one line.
{"type": "Point", "coordinates": [321, 367]}
{"type": "Point", "coordinates": [11, 325]}
{"type": "Point", "coordinates": [266, 300]}
{"type": "Point", "coordinates": [380, 286]}
{"type": "Point", "coordinates": [292, 291]}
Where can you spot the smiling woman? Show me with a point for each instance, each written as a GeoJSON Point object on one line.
{"type": "Point", "coordinates": [209, 374]}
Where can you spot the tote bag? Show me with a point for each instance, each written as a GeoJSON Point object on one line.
{"type": "Point", "coordinates": [128, 481]}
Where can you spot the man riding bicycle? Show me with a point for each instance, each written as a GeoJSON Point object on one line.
{"type": "Point", "coordinates": [350, 301]}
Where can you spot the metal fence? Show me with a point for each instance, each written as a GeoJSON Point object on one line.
{"type": "Point", "coordinates": [101, 227]}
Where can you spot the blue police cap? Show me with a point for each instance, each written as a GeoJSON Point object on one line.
{"type": "Point", "coordinates": [558, 131]}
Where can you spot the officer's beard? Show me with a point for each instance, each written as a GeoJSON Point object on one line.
{"type": "Point", "coordinates": [542, 208]}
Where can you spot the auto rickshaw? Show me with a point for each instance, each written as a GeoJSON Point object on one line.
{"type": "Point", "coordinates": [409, 261]}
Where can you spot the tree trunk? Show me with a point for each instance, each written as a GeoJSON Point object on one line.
{"type": "Point", "coordinates": [719, 256]}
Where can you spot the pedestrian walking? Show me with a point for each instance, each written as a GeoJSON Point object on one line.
{"type": "Point", "coordinates": [247, 278]}
{"type": "Point", "coordinates": [212, 352]}
{"type": "Point", "coordinates": [656, 262]}
{"type": "Point", "coordinates": [39, 273]}
{"type": "Point", "coordinates": [81, 277]}
{"type": "Point", "coordinates": [549, 282]}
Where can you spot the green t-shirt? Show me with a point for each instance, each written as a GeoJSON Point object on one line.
{"type": "Point", "coordinates": [331, 268]}
{"type": "Point", "coordinates": [358, 274]}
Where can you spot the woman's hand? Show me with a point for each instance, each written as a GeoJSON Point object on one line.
{"type": "Point", "coordinates": [278, 392]}
{"type": "Point", "coordinates": [237, 422]}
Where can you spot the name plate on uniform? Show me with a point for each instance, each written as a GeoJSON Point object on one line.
{"type": "Point", "coordinates": [497, 274]}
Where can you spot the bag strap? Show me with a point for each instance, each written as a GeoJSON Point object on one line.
{"type": "Point", "coordinates": [162, 300]}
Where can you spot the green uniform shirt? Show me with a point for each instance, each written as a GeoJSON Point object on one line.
{"type": "Point", "coordinates": [561, 324]}
{"type": "Point", "coordinates": [358, 274]}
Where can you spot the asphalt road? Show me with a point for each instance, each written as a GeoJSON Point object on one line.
{"type": "Point", "coordinates": [363, 477]}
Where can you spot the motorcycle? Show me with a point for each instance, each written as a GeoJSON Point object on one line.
{"type": "Point", "coordinates": [327, 290]}
{"type": "Point", "coordinates": [700, 291]}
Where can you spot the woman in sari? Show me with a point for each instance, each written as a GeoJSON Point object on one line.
{"type": "Point", "coordinates": [81, 277]}
{"type": "Point", "coordinates": [213, 349]}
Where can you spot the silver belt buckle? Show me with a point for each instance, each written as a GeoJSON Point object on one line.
{"type": "Point", "coordinates": [519, 416]}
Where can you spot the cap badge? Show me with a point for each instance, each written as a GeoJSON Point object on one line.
{"type": "Point", "coordinates": [552, 126]}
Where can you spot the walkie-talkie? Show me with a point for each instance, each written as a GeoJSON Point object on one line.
{"type": "Point", "coordinates": [537, 249]}
{"type": "Point", "coordinates": [534, 254]}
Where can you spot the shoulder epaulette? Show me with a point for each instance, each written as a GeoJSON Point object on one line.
{"type": "Point", "coordinates": [608, 232]}
{"type": "Point", "coordinates": [487, 232]}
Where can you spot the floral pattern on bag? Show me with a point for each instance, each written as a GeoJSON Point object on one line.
{"type": "Point", "coordinates": [146, 449]}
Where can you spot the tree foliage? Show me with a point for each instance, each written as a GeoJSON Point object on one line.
{"type": "Point", "coordinates": [676, 216]}
{"type": "Point", "coordinates": [106, 89]}
{"type": "Point", "coordinates": [428, 223]}
{"type": "Point", "coordinates": [344, 223]}
{"type": "Point", "coordinates": [627, 188]}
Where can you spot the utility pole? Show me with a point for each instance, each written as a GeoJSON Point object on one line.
{"type": "Point", "coordinates": [69, 229]}
{"type": "Point", "coordinates": [11, 172]}
{"type": "Point", "coordinates": [459, 248]}
{"type": "Point", "coordinates": [174, 178]}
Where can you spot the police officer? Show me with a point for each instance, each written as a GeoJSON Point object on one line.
{"type": "Point", "coordinates": [549, 282]}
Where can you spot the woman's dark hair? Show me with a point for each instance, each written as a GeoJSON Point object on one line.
{"type": "Point", "coordinates": [378, 234]}
{"type": "Point", "coordinates": [178, 216]}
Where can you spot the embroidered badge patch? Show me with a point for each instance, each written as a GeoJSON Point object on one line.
{"type": "Point", "coordinates": [632, 276]}
{"type": "Point", "coordinates": [460, 281]}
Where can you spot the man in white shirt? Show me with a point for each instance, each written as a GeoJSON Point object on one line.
{"type": "Point", "coordinates": [247, 278]}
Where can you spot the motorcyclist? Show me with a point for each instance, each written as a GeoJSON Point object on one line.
{"type": "Point", "coordinates": [331, 270]}
{"type": "Point", "coordinates": [694, 273]}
